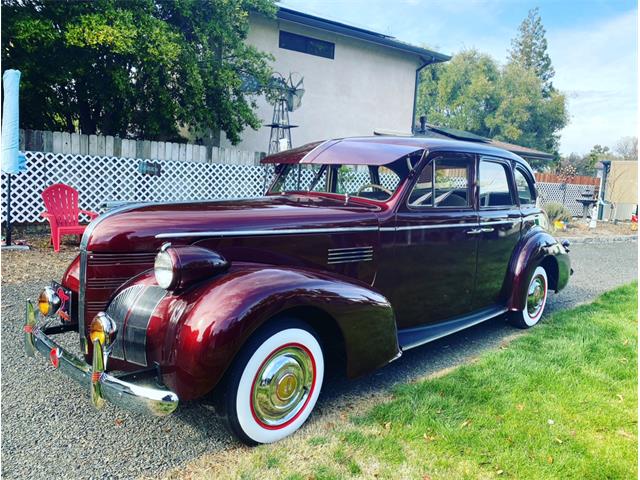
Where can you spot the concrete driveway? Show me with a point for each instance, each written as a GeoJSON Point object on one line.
{"type": "Point", "coordinates": [50, 429]}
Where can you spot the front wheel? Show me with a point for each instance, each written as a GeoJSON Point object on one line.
{"type": "Point", "coordinates": [274, 383]}
{"type": "Point", "coordinates": [535, 302]}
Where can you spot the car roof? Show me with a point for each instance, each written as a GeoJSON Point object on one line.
{"type": "Point", "coordinates": [380, 150]}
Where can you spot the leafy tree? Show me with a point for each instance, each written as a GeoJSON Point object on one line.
{"type": "Point", "coordinates": [529, 49]}
{"type": "Point", "coordinates": [584, 164]}
{"type": "Point", "coordinates": [147, 68]}
{"type": "Point", "coordinates": [471, 92]}
{"type": "Point", "coordinates": [626, 149]}
{"type": "Point", "coordinates": [525, 115]}
{"type": "Point", "coordinates": [461, 93]}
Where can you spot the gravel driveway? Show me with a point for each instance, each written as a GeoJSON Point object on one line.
{"type": "Point", "coordinates": [50, 429]}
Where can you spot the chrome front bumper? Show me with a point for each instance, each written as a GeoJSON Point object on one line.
{"type": "Point", "coordinates": [131, 396]}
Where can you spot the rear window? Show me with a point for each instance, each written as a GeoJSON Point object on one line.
{"type": "Point", "coordinates": [494, 184]}
{"type": "Point", "coordinates": [526, 189]}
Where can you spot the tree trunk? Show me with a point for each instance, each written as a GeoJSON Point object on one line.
{"type": "Point", "coordinates": [87, 121]}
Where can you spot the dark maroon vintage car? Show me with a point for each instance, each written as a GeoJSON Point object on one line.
{"type": "Point", "coordinates": [362, 248]}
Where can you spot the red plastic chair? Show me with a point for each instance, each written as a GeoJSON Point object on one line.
{"type": "Point", "coordinates": [62, 212]}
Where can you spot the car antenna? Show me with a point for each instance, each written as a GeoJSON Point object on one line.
{"type": "Point", "coordinates": [346, 198]}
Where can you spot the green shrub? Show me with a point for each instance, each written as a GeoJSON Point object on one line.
{"type": "Point", "coordinates": [557, 211]}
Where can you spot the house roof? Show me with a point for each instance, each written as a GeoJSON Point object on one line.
{"type": "Point", "coordinates": [428, 56]}
{"type": "Point", "coordinates": [379, 150]}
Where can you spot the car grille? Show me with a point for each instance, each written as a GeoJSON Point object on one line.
{"type": "Point", "coordinates": [104, 274]}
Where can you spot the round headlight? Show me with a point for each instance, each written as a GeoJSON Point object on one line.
{"type": "Point", "coordinates": [48, 302]}
{"type": "Point", "coordinates": [164, 269]}
{"type": "Point", "coordinates": [103, 329]}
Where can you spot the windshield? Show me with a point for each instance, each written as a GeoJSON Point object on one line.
{"type": "Point", "coordinates": [377, 183]}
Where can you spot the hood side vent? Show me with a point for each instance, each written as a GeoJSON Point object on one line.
{"type": "Point", "coordinates": [349, 255]}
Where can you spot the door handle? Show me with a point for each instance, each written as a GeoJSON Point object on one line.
{"type": "Point", "coordinates": [478, 231]}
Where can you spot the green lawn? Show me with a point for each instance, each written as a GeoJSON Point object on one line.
{"type": "Point", "coordinates": [558, 402]}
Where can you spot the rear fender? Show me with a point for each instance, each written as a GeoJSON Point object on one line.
{"type": "Point", "coordinates": [536, 247]}
{"type": "Point", "coordinates": [207, 325]}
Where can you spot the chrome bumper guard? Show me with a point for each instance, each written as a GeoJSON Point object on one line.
{"type": "Point", "coordinates": [130, 396]}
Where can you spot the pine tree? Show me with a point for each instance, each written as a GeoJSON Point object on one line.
{"type": "Point", "coordinates": [529, 49]}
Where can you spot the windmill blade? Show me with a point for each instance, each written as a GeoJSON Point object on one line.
{"type": "Point", "coordinates": [295, 80]}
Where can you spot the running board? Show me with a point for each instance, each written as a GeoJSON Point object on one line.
{"type": "Point", "coordinates": [414, 337]}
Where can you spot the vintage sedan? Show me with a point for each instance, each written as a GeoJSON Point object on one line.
{"type": "Point", "coordinates": [362, 248]}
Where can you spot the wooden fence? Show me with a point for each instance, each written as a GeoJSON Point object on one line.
{"type": "Point", "coordinates": [577, 180]}
{"type": "Point", "coordinates": [108, 146]}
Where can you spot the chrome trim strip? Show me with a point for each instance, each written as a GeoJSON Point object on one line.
{"type": "Point", "coordinates": [338, 256]}
{"type": "Point", "coordinates": [293, 231]}
{"type": "Point", "coordinates": [350, 252]}
{"type": "Point", "coordinates": [428, 227]}
{"type": "Point", "coordinates": [134, 334]}
{"type": "Point", "coordinates": [351, 260]}
{"type": "Point", "coordinates": [284, 231]}
{"type": "Point", "coordinates": [301, 161]}
{"type": "Point", "coordinates": [118, 310]}
{"type": "Point", "coordinates": [338, 250]}
{"type": "Point", "coordinates": [448, 225]}
{"type": "Point", "coordinates": [501, 222]}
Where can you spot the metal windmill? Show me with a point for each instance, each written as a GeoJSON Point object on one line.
{"type": "Point", "coordinates": [287, 97]}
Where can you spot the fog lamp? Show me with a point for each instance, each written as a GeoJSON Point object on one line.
{"type": "Point", "coordinates": [48, 302]}
{"type": "Point", "coordinates": [103, 329]}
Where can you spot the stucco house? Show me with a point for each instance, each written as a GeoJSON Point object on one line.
{"type": "Point", "coordinates": [356, 81]}
{"type": "Point", "coordinates": [619, 189]}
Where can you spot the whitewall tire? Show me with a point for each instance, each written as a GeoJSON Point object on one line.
{"type": "Point", "coordinates": [274, 383]}
{"type": "Point", "coordinates": [535, 301]}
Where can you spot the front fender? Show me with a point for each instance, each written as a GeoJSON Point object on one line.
{"type": "Point", "coordinates": [210, 323]}
{"type": "Point", "coordinates": [535, 247]}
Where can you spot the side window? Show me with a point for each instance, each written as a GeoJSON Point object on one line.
{"type": "Point", "coordinates": [452, 183]}
{"type": "Point", "coordinates": [444, 182]}
{"type": "Point", "coordinates": [526, 191]}
{"type": "Point", "coordinates": [421, 195]}
{"type": "Point", "coordinates": [493, 180]}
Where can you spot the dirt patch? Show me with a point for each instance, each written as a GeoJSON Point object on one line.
{"type": "Point", "coordinates": [580, 228]}
{"type": "Point", "coordinates": [40, 262]}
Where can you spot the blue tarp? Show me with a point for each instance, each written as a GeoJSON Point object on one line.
{"type": "Point", "coordinates": [12, 160]}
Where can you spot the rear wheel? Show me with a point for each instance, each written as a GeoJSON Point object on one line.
{"type": "Point", "coordinates": [535, 302]}
{"type": "Point", "coordinates": [274, 382]}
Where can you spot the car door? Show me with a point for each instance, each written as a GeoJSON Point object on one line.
{"type": "Point", "coordinates": [500, 224]}
{"type": "Point", "coordinates": [434, 274]}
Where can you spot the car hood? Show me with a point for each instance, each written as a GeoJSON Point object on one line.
{"type": "Point", "coordinates": [144, 227]}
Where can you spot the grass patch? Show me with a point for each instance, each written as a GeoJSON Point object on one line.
{"type": "Point", "coordinates": [558, 402]}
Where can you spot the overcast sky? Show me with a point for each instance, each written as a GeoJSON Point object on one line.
{"type": "Point", "coordinates": [592, 44]}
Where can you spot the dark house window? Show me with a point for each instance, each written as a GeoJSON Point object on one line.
{"type": "Point", "coordinates": [312, 46]}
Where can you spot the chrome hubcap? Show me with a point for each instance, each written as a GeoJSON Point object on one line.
{"type": "Point", "coordinates": [535, 297]}
{"type": "Point", "coordinates": [282, 386]}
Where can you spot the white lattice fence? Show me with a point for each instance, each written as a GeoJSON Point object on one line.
{"type": "Point", "coordinates": [566, 194]}
{"type": "Point", "coordinates": [103, 179]}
